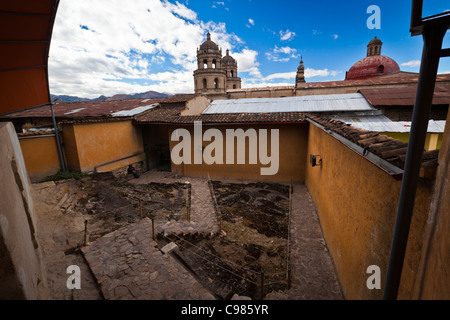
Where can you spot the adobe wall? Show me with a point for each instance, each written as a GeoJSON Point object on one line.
{"type": "Point", "coordinates": [434, 273]}
{"type": "Point", "coordinates": [306, 90]}
{"type": "Point", "coordinates": [20, 270]}
{"type": "Point", "coordinates": [70, 148]}
{"type": "Point", "coordinates": [102, 146]}
{"type": "Point", "coordinates": [292, 147]}
{"type": "Point", "coordinates": [41, 156]}
{"type": "Point", "coordinates": [357, 204]}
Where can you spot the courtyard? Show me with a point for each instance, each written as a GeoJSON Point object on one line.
{"type": "Point", "coordinates": [227, 239]}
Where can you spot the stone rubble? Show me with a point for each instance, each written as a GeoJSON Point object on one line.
{"type": "Point", "coordinates": [129, 266]}
{"type": "Point", "coordinates": [127, 263]}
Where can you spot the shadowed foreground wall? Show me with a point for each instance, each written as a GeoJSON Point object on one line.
{"type": "Point", "coordinates": [434, 272]}
{"type": "Point", "coordinates": [357, 205]}
{"type": "Point", "coordinates": [20, 271]}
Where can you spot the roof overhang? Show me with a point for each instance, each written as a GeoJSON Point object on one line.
{"type": "Point", "coordinates": [25, 34]}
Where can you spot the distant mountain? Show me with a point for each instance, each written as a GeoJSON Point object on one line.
{"type": "Point", "coordinates": [66, 98]}
{"type": "Point", "coordinates": [143, 95]}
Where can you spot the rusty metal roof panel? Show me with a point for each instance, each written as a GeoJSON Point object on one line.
{"type": "Point", "coordinates": [88, 109]}
{"type": "Point", "coordinates": [316, 103]}
{"type": "Point", "coordinates": [134, 111]}
{"type": "Point", "coordinates": [403, 96]}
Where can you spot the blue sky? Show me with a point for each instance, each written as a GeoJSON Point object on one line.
{"type": "Point", "coordinates": [112, 46]}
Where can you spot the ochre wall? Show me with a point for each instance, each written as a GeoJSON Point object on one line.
{"type": "Point", "coordinates": [41, 156]}
{"type": "Point", "coordinates": [434, 272]}
{"type": "Point", "coordinates": [432, 142]}
{"type": "Point", "coordinates": [292, 147]}
{"type": "Point", "coordinates": [70, 148]}
{"type": "Point", "coordinates": [89, 145]}
{"type": "Point", "coordinates": [357, 204]}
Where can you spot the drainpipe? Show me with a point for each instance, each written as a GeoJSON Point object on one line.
{"type": "Point", "coordinates": [433, 37]}
{"type": "Point", "coordinates": [58, 142]}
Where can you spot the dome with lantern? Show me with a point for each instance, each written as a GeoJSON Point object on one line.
{"type": "Point", "coordinates": [373, 65]}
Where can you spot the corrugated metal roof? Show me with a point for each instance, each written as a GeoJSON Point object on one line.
{"type": "Point", "coordinates": [398, 126]}
{"type": "Point", "coordinates": [316, 103]}
{"type": "Point", "coordinates": [135, 111]}
{"type": "Point", "coordinates": [351, 119]}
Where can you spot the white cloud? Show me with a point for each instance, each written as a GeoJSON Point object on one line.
{"type": "Point", "coordinates": [311, 73]}
{"type": "Point", "coordinates": [247, 62]}
{"type": "Point", "coordinates": [218, 3]}
{"type": "Point", "coordinates": [102, 47]}
{"type": "Point", "coordinates": [335, 36]}
{"type": "Point", "coordinates": [261, 84]}
{"type": "Point", "coordinates": [286, 35]}
{"type": "Point", "coordinates": [286, 75]}
{"type": "Point", "coordinates": [281, 54]}
{"type": "Point", "coordinates": [411, 64]}
{"type": "Point", "coordinates": [250, 23]}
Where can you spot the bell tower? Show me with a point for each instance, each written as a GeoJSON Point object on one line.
{"type": "Point", "coordinates": [300, 77]}
{"type": "Point", "coordinates": [374, 47]}
{"type": "Point", "coordinates": [229, 64]}
{"type": "Point", "coordinates": [210, 77]}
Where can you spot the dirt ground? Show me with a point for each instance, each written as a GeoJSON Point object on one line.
{"type": "Point", "coordinates": [254, 224]}
{"type": "Point", "coordinates": [252, 249]}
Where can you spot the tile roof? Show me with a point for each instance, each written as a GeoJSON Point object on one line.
{"type": "Point", "coordinates": [97, 109]}
{"type": "Point", "coordinates": [387, 148]}
{"type": "Point", "coordinates": [390, 79]}
{"type": "Point", "coordinates": [403, 96]}
{"type": "Point", "coordinates": [172, 115]}
{"type": "Point", "coordinates": [179, 98]}
{"type": "Point", "coordinates": [84, 109]}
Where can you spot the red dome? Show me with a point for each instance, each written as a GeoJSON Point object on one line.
{"type": "Point", "coordinates": [372, 66]}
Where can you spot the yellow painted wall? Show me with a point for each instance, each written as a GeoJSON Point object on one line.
{"type": "Point", "coordinates": [70, 148]}
{"type": "Point", "coordinates": [357, 204]}
{"type": "Point", "coordinates": [41, 156]}
{"type": "Point", "coordinates": [89, 145]}
{"type": "Point", "coordinates": [433, 140]}
{"type": "Point", "coordinates": [292, 142]}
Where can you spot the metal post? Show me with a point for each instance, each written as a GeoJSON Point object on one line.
{"type": "Point", "coordinates": [188, 202]}
{"type": "Point", "coordinates": [58, 142]}
{"type": "Point", "coordinates": [85, 232]}
{"type": "Point", "coordinates": [153, 229]}
{"type": "Point", "coordinates": [433, 37]}
{"type": "Point", "coordinates": [288, 268]}
{"type": "Point", "coordinates": [262, 285]}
